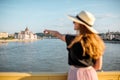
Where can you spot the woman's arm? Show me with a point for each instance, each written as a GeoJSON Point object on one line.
{"type": "Point", "coordinates": [56, 34]}
{"type": "Point", "coordinates": [98, 64]}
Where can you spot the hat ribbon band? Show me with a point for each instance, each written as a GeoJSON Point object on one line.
{"type": "Point", "coordinates": [83, 21]}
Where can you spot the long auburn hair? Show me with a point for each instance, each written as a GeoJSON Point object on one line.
{"type": "Point", "coordinates": [91, 43]}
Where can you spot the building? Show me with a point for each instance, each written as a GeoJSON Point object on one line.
{"type": "Point", "coordinates": [3, 35]}
{"type": "Point", "coordinates": [110, 35]}
{"type": "Point", "coordinates": [113, 35]}
{"type": "Point", "coordinates": [25, 35]}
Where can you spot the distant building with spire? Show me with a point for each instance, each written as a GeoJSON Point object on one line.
{"type": "Point", "coordinates": [25, 35]}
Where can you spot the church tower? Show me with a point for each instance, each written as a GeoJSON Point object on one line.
{"type": "Point", "coordinates": [26, 29]}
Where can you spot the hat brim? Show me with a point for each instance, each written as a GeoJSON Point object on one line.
{"type": "Point", "coordinates": [73, 18]}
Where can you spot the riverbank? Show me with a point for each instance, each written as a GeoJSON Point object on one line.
{"type": "Point", "coordinates": [111, 41]}
{"type": "Point", "coordinates": [31, 40]}
{"type": "Point", "coordinates": [16, 40]}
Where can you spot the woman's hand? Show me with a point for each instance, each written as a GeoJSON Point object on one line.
{"type": "Point", "coordinates": [98, 64]}
{"type": "Point", "coordinates": [51, 32]}
{"type": "Point", "coordinates": [55, 33]}
{"type": "Point", "coordinates": [46, 32]}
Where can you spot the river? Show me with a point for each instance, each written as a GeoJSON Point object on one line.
{"type": "Point", "coordinates": [47, 55]}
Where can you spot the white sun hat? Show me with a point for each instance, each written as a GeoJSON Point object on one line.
{"type": "Point", "coordinates": [85, 18]}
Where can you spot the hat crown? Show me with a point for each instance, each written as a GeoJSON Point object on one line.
{"type": "Point", "coordinates": [87, 17]}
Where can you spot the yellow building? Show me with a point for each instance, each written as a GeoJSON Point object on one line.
{"type": "Point", "coordinates": [3, 35]}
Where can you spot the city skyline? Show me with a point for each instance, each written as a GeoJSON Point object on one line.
{"type": "Point", "coordinates": [38, 15]}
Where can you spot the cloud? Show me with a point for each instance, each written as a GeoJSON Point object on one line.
{"type": "Point", "coordinates": [107, 16]}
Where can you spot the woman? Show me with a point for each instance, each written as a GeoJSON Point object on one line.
{"type": "Point", "coordinates": [85, 48]}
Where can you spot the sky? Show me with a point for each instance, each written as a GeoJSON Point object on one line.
{"type": "Point", "coordinates": [37, 15]}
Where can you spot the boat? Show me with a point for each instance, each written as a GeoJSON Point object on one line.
{"type": "Point", "coordinates": [104, 75]}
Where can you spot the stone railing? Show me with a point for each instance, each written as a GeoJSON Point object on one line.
{"type": "Point", "coordinates": [109, 75]}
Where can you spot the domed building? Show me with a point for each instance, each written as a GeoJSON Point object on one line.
{"type": "Point", "coordinates": [25, 35]}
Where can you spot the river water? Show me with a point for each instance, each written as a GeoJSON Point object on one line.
{"type": "Point", "coordinates": [47, 55]}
